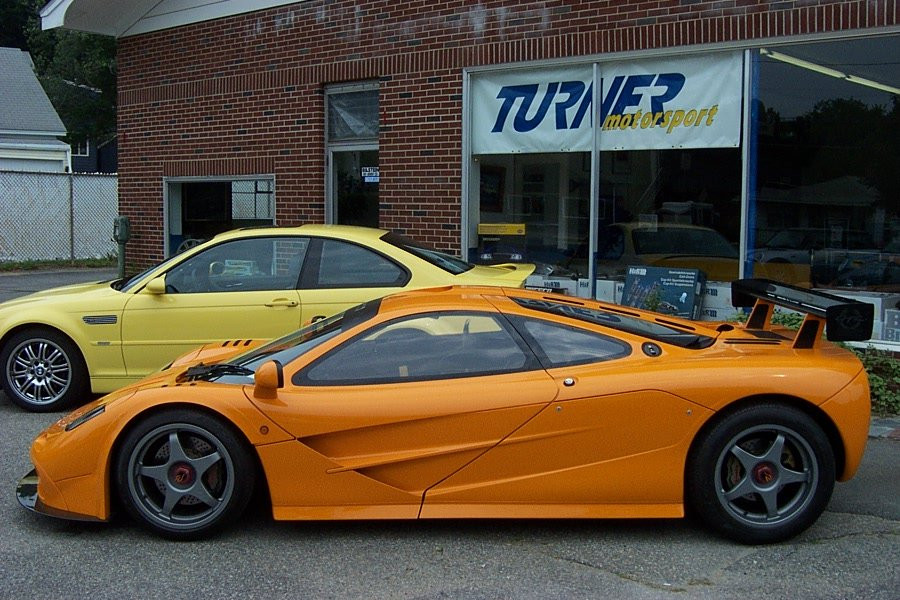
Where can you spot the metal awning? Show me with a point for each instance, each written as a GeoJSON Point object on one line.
{"type": "Point", "coordinates": [120, 19]}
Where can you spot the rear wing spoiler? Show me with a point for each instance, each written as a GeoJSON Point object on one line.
{"type": "Point", "coordinates": [844, 320]}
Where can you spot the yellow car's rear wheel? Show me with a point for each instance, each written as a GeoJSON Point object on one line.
{"type": "Point", "coordinates": [184, 474]}
{"type": "Point", "coordinates": [43, 371]}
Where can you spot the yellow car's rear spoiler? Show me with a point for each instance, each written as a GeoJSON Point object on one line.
{"type": "Point", "coordinates": [844, 320]}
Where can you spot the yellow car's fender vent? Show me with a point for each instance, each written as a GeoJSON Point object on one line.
{"type": "Point", "coordinates": [100, 319]}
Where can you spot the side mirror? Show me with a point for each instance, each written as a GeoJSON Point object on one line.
{"type": "Point", "coordinates": [268, 379]}
{"type": "Point", "coordinates": [156, 286]}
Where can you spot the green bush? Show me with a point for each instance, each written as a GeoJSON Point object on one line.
{"type": "Point", "coordinates": [883, 369]}
{"type": "Point", "coordinates": [62, 263]}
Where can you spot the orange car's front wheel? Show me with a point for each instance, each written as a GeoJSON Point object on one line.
{"type": "Point", "coordinates": [184, 474]}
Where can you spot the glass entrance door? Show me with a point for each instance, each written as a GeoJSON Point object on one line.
{"type": "Point", "coordinates": [354, 187]}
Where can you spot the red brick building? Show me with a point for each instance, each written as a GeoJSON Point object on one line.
{"type": "Point", "coordinates": [240, 112]}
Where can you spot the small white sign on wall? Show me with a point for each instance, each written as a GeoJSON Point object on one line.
{"type": "Point", "coordinates": [369, 174]}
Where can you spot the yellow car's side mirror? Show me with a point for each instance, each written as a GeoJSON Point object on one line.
{"type": "Point", "coordinates": [157, 286]}
{"type": "Point", "coordinates": [268, 379]}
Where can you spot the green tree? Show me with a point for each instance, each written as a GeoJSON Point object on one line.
{"type": "Point", "coordinates": [13, 17]}
{"type": "Point", "coordinates": [77, 70]}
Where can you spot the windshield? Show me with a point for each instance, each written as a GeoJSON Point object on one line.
{"type": "Point", "coordinates": [288, 348]}
{"type": "Point", "coordinates": [682, 240]}
{"type": "Point", "coordinates": [442, 260]}
{"type": "Point", "coordinates": [123, 285]}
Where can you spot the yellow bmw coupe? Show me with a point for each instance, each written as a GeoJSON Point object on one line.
{"type": "Point", "coordinates": [59, 345]}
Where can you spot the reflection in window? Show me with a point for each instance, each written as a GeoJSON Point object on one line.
{"type": "Point", "coordinates": [563, 346]}
{"type": "Point", "coordinates": [241, 266]}
{"type": "Point", "coordinates": [352, 115]}
{"type": "Point", "coordinates": [828, 178]}
{"type": "Point", "coordinates": [532, 208]}
{"type": "Point", "coordinates": [434, 346]}
{"type": "Point", "coordinates": [348, 265]}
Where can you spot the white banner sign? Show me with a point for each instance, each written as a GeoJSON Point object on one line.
{"type": "Point", "coordinates": [544, 110]}
{"type": "Point", "coordinates": [654, 104]}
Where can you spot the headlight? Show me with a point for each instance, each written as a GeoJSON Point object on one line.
{"type": "Point", "coordinates": [86, 417]}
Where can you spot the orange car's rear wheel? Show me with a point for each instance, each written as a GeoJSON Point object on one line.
{"type": "Point", "coordinates": [763, 474]}
{"type": "Point", "coordinates": [184, 474]}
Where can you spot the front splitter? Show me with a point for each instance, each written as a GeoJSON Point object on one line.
{"type": "Point", "coordinates": [27, 495]}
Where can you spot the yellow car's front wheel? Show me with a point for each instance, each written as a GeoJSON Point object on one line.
{"type": "Point", "coordinates": [43, 370]}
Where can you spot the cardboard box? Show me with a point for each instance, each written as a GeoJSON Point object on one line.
{"type": "Point", "coordinates": [669, 291]}
{"type": "Point", "coordinates": [558, 285]}
{"type": "Point", "coordinates": [607, 290]}
{"type": "Point", "coordinates": [890, 331]}
{"type": "Point", "coordinates": [883, 301]}
{"type": "Point", "coordinates": [717, 294]}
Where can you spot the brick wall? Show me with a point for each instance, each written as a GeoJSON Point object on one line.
{"type": "Point", "coordinates": [244, 95]}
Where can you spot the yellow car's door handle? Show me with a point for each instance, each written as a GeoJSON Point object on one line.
{"type": "Point", "coordinates": [282, 302]}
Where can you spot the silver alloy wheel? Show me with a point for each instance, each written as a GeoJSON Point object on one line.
{"type": "Point", "coordinates": [181, 477]}
{"type": "Point", "coordinates": [40, 371]}
{"type": "Point", "coordinates": [766, 475]}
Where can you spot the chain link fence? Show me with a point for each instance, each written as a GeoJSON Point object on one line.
{"type": "Point", "coordinates": [46, 216]}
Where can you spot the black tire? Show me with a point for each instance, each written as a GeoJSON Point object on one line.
{"type": "Point", "coordinates": [760, 475]}
{"type": "Point", "coordinates": [190, 493]}
{"type": "Point", "coordinates": [43, 371]}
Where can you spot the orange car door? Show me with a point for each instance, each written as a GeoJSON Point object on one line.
{"type": "Point", "coordinates": [389, 414]}
{"type": "Point", "coordinates": [611, 440]}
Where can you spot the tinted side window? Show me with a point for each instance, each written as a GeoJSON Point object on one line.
{"type": "Point", "coordinates": [348, 265]}
{"type": "Point", "coordinates": [241, 266]}
{"type": "Point", "coordinates": [434, 346]}
{"type": "Point", "coordinates": [562, 345]}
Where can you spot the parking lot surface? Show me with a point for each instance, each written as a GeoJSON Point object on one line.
{"type": "Point", "coordinates": [850, 552]}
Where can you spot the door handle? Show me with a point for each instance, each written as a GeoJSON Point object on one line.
{"type": "Point", "coordinates": [282, 302]}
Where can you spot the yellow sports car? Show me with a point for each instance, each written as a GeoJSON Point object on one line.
{"type": "Point", "coordinates": [59, 345]}
{"type": "Point", "coordinates": [480, 402]}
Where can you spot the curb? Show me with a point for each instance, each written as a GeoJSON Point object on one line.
{"type": "Point", "coordinates": [885, 428]}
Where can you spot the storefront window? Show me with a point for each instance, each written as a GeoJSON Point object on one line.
{"type": "Point", "coordinates": [828, 167]}
{"type": "Point", "coordinates": [533, 208]}
{"type": "Point", "coordinates": [669, 208]}
{"type": "Point", "coordinates": [645, 152]}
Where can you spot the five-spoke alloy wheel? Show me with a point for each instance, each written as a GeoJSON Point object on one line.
{"type": "Point", "coordinates": [184, 474]}
{"type": "Point", "coordinates": [43, 371]}
{"type": "Point", "coordinates": [762, 474]}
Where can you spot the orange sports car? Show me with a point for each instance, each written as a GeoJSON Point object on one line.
{"type": "Point", "coordinates": [482, 402]}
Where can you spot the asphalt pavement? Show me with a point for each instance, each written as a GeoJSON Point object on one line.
{"type": "Point", "coordinates": [851, 552]}
{"type": "Point", "coordinates": [20, 283]}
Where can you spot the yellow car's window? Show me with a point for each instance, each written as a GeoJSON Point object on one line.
{"type": "Point", "coordinates": [270, 263]}
{"type": "Point", "coordinates": [347, 265]}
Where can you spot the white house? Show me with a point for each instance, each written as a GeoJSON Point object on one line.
{"type": "Point", "coordinates": [29, 126]}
